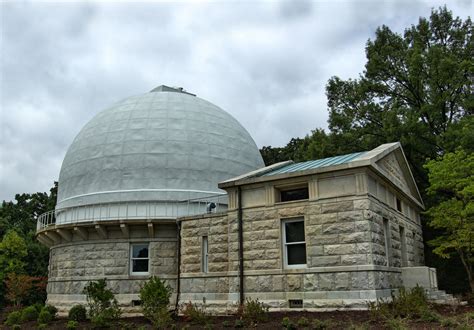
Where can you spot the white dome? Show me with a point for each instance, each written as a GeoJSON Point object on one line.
{"type": "Point", "coordinates": [166, 145]}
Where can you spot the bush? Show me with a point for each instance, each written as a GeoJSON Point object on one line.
{"type": "Point", "coordinates": [195, 314]}
{"type": "Point", "coordinates": [103, 307]}
{"type": "Point", "coordinates": [155, 297]}
{"type": "Point", "coordinates": [29, 314]}
{"type": "Point", "coordinates": [38, 307]}
{"type": "Point", "coordinates": [77, 313]}
{"type": "Point", "coordinates": [16, 327]}
{"type": "Point", "coordinates": [51, 309]}
{"type": "Point", "coordinates": [45, 317]}
{"type": "Point", "coordinates": [320, 324]}
{"type": "Point", "coordinates": [13, 318]}
{"type": "Point", "coordinates": [239, 323]}
{"type": "Point", "coordinates": [303, 322]}
{"type": "Point", "coordinates": [72, 325]}
{"type": "Point", "coordinates": [254, 311]}
{"type": "Point", "coordinates": [287, 323]}
{"type": "Point", "coordinates": [42, 326]}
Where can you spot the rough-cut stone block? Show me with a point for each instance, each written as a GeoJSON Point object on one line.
{"type": "Point", "coordinates": [360, 280]}
{"type": "Point", "coordinates": [264, 224]}
{"type": "Point", "coordinates": [272, 234]}
{"type": "Point", "coordinates": [342, 281]}
{"type": "Point", "coordinates": [294, 282]}
{"type": "Point", "coordinates": [362, 204]}
{"type": "Point", "coordinates": [338, 228]}
{"type": "Point", "coordinates": [350, 216]}
{"type": "Point", "coordinates": [354, 259]}
{"type": "Point", "coordinates": [326, 281]}
{"type": "Point", "coordinates": [356, 237]}
{"type": "Point", "coordinates": [338, 249]}
{"type": "Point", "coordinates": [310, 282]}
{"type": "Point", "coordinates": [337, 207]}
{"type": "Point", "coordinates": [325, 261]}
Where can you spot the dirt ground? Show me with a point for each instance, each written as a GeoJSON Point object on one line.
{"type": "Point", "coordinates": [463, 315]}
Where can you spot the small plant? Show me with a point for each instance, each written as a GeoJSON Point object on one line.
{"type": "Point", "coordinates": [16, 327]}
{"type": "Point", "coordinates": [226, 324]}
{"type": "Point", "coordinates": [13, 318]}
{"type": "Point", "coordinates": [155, 297]}
{"type": "Point", "coordinates": [51, 309]}
{"type": "Point", "coordinates": [72, 325]}
{"type": "Point", "coordinates": [239, 323]}
{"type": "Point", "coordinates": [321, 324]}
{"type": "Point", "coordinates": [29, 314]}
{"type": "Point", "coordinates": [77, 313]}
{"type": "Point", "coordinates": [103, 307]}
{"type": "Point", "coordinates": [449, 323]}
{"type": "Point", "coordinates": [254, 311]}
{"type": "Point", "coordinates": [287, 324]}
{"type": "Point", "coordinates": [194, 314]}
{"type": "Point", "coordinates": [42, 326]}
{"type": "Point", "coordinates": [303, 322]}
{"type": "Point", "coordinates": [45, 317]}
{"type": "Point", "coordinates": [396, 323]}
{"type": "Point", "coordinates": [38, 307]}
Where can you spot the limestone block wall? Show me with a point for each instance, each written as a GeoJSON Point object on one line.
{"type": "Point", "coordinates": [72, 265]}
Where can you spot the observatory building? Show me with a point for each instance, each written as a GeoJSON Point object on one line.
{"type": "Point", "coordinates": [170, 185]}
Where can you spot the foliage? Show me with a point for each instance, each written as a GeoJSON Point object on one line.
{"type": "Point", "coordinates": [407, 304]}
{"type": "Point", "coordinates": [452, 182]}
{"type": "Point", "coordinates": [16, 327]}
{"type": "Point", "coordinates": [51, 309]}
{"type": "Point", "coordinates": [77, 313]}
{"type": "Point", "coordinates": [72, 325]}
{"type": "Point", "coordinates": [17, 287]}
{"type": "Point", "coordinates": [287, 323]}
{"type": "Point", "coordinates": [45, 317]}
{"type": "Point", "coordinates": [254, 311]}
{"type": "Point", "coordinates": [195, 314]}
{"type": "Point", "coordinates": [155, 297]}
{"type": "Point", "coordinates": [321, 324]}
{"type": "Point", "coordinates": [303, 322]}
{"type": "Point", "coordinates": [29, 314]}
{"type": "Point", "coordinates": [103, 307]}
{"type": "Point", "coordinates": [13, 318]}
{"type": "Point", "coordinates": [42, 326]}
{"type": "Point", "coordinates": [12, 251]}
{"type": "Point", "coordinates": [239, 323]}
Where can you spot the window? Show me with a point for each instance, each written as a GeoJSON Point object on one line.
{"type": "Point", "coordinates": [294, 246]}
{"type": "Point", "coordinates": [386, 234]}
{"type": "Point", "coordinates": [399, 205]}
{"type": "Point", "coordinates": [205, 254]}
{"type": "Point", "coordinates": [293, 194]}
{"type": "Point", "coordinates": [139, 262]}
{"type": "Point", "coordinates": [403, 242]}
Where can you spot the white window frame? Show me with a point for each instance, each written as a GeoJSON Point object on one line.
{"type": "Point", "coordinates": [205, 254]}
{"type": "Point", "coordinates": [132, 258]}
{"type": "Point", "coordinates": [285, 244]}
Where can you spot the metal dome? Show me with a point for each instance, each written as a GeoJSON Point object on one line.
{"type": "Point", "coordinates": [166, 145]}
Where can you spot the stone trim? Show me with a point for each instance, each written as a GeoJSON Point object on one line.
{"type": "Point", "coordinates": [115, 240]}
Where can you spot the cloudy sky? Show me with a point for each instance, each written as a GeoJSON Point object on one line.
{"type": "Point", "coordinates": [265, 62]}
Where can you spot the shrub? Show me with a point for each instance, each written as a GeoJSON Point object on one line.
{"type": "Point", "coordinates": [103, 307]}
{"type": "Point", "coordinates": [77, 313]}
{"type": "Point", "coordinates": [45, 317]}
{"type": "Point", "coordinates": [72, 325]}
{"type": "Point", "coordinates": [16, 327]}
{"type": "Point", "coordinates": [287, 323]}
{"type": "Point", "coordinates": [13, 318]}
{"type": "Point", "coordinates": [38, 307]}
{"type": "Point", "coordinates": [195, 314]}
{"type": "Point", "coordinates": [155, 297]}
{"type": "Point", "coordinates": [303, 322]}
{"type": "Point", "coordinates": [239, 323]}
{"type": "Point", "coordinates": [51, 309]}
{"type": "Point", "coordinates": [254, 311]}
{"type": "Point", "coordinates": [320, 324]}
{"type": "Point", "coordinates": [226, 324]}
{"type": "Point", "coordinates": [42, 326]}
{"type": "Point", "coordinates": [29, 314]}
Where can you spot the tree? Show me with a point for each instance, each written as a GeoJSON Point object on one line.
{"type": "Point", "coordinates": [451, 180]}
{"type": "Point", "coordinates": [12, 251]}
{"type": "Point", "coordinates": [415, 88]}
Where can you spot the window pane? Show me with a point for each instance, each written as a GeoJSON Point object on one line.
{"type": "Point", "coordinates": [296, 254]}
{"type": "Point", "coordinates": [294, 194]}
{"type": "Point", "coordinates": [140, 266]}
{"type": "Point", "coordinates": [140, 251]}
{"type": "Point", "coordinates": [294, 231]}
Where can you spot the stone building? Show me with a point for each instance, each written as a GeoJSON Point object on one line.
{"type": "Point", "coordinates": [168, 184]}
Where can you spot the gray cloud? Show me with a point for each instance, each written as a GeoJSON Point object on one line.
{"type": "Point", "coordinates": [266, 63]}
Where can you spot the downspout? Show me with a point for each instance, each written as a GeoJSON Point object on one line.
{"type": "Point", "coordinates": [241, 245]}
{"type": "Point", "coordinates": [178, 279]}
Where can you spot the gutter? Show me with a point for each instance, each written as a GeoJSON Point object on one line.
{"type": "Point", "coordinates": [241, 246]}
{"type": "Point", "coordinates": [178, 279]}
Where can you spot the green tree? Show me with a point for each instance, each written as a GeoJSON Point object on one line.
{"type": "Point", "coordinates": [452, 182]}
{"type": "Point", "coordinates": [415, 88]}
{"type": "Point", "coordinates": [12, 252]}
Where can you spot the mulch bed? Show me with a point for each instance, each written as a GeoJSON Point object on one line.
{"type": "Point", "coordinates": [336, 319]}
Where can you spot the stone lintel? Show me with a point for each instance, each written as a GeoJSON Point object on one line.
{"type": "Point", "coordinates": [65, 234]}
{"type": "Point", "coordinates": [82, 232]}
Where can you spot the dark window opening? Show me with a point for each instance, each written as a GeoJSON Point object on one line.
{"type": "Point", "coordinates": [399, 205]}
{"type": "Point", "coordinates": [294, 194]}
{"type": "Point", "coordinates": [136, 302]}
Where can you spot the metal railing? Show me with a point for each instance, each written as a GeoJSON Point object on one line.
{"type": "Point", "coordinates": [136, 210]}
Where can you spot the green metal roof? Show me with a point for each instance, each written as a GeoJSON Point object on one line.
{"type": "Point", "coordinates": [313, 164]}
